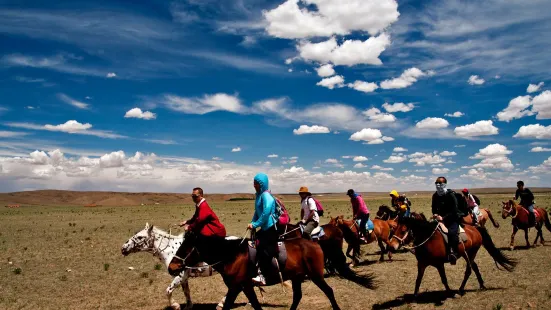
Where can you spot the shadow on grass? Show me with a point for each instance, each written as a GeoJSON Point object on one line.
{"type": "Point", "coordinates": [372, 262]}
{"type": "Point", "coordinates": [436, 297]}
{"type": "Point", "coordinates": [212, 306]}
{"type": "Point", "coordinates": [517, 248]}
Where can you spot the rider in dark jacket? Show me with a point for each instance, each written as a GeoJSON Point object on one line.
{"type": "Point", "coordinates": [527, 201]}
{"type": "Point", "coordinates": [445, 209]}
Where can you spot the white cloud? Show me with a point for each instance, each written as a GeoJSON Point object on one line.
{"type": "Point", "coordinates": [69, 126]}
{"type": "Point", "coordinates": [494, 156]}
{"type": "Point", "coordinates": [393, 159]}
{"type": "Point", "coordinates": [360, 158]}
{"type": "Point", "coordinates": [502, 162]}
{"type": "Point", "coordinates": [477, 174]}
{"type": "Point", "coordinates": [111, 75]}
{"type": "Point", "coordinates": [517, 108]}
{"type": "Point", "coordinates": [114, 159]}
{"type": "Point", "coordinates": [460, 145]}
{"type": "Point", "coordinates": [205, 104]}
{"type": "Point", "coordinates": [376, 115]}
{"type": "Point", "coordinates": [455, 114]}
{"type": "Point", "coordinates": [440, 171]}
{"type": "Point", "coordinates": [161, 141]}
{"type": "Point", "coordinates": [532, 88]}
{"type": "Point", "coordinates": [422, 159]}
{"type": "Point", "coordinates": [331, 161]}
{"type": "Point", "coordinates": [399, 149]}
{"type": "Point", "coordinates": [349, 53]}
{"type": "Point", "coordinates": [291, 21]}
{"type": "Point", "coordinates": [448, 153]}
{"type": "Point", "coordinates": [273, 156]}
{"type": "Point", "coordinates": [216, 158]}
{"type": "Point", "coordinates": [492, 150]}
{"type": "Point", "coordinates": [325, 70]}
{"type": "Point", "coordinates": [305, 129]}
{"type": "Point", "coordinates": [359, 165]}
{"type": "Point", "coordinates": [332, 82]}
{"type": "Point", "coordinates": [407, 79]}
{"type": "Point", "coordinates": [432, 123]}
{"type": "Point", "coordinates": [541, 104]}
{"type": "Point", "coordinates": [369, 135]}
{"type": "Point", "coordinates": [377, 167]}
{"type": "Point", "coordinates": [398, 107]}
{"type": "Point", "coordinates": [11, 134]}
{"type": "Point", "coordinates": [138, 113]}
{"type": "Point", "coordinates": [480, 128]}
{"type": "Point", "coordinates": [73, 102]}
{"type": "Point", "coordinates": [366, 87]}
{"type": "Point", "coordinates": [540, 149]}
{"type": "Point", "coordinates": [476, 80]}
{"type": "Point", "coordinates": [535, 131]}
{"type": "Point", "coordinates": [236, 149]}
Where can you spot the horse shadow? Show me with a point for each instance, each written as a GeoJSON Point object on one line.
{"type": "Point", "coordinates": [435, 297]}
{"type": "Point", "coordinates": [517, 248]}
{"type": "Point", "coordinates": [373, 262]}
{"type": "Point", "coordinates": [210, 306]}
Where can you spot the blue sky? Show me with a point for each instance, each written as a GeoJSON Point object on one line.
{"type": "Point", "coordinates": [373, 95]}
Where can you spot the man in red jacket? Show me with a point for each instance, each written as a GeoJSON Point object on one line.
{"type": "Point", "coordinates": [205, 224]}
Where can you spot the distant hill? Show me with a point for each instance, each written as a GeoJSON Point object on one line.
{"type": "Point", "coordinates": [76, 198]}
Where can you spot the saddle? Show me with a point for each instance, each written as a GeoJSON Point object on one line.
{"type": "Point", "coordinates": [369, 226]}
{"type": "Point", "coordinates": [281, 261]}
{"type": "Point", "coordinates": [317, 233]}
{"type": "Point", "coordinates": [444, 232]}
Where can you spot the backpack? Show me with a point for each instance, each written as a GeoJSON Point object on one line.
{"type": "Point", "coordinates": [461, 204]}
{"type": "Point", "coordinates": [281, 213]}
{"type": "Point", "coordinates": [476, 199]}
{"type": "Point", "coordinates": [319, 207]}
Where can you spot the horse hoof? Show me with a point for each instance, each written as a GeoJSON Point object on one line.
{"type": "Point", "coordinates": [175, 306]}
{"type": "Point", "coordinates": [482, 288]}
{"type": "Point", "coordinates": [511, 248]}
{"type": "Point", "coordinates": [189, 306]}
{"type": "Point", "coordinates": [218, 307]}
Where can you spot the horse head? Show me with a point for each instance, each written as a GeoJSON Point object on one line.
{"type": "Point", "coordinates": [507, 208]}
{"type": "Point", "coordinates": [141, 241]}
{"type": "Point", "coordinates": [399, 235]}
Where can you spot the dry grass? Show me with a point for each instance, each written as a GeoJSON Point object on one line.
{"type": "Point", "coordinates": [44, 242]}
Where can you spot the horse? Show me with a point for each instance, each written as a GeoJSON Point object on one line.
{"type": "Point", "coordinates": [386, 213]}
{"type": "Point", "coordinates": [381, 233]}
{"type": "Point", "coordinates": [164, 246]}
{"type": "Point", "coordinates": [485, 215]}
{"type": "Point", "coordinates": [520, 221]}
{"type": "Point", "coordinates": [430, 250]}
{"type": "Point", "coordinates": [231, 259]}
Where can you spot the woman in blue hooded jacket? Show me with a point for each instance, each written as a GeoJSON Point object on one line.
{"type": "Point", "coordinates": [265, 218]}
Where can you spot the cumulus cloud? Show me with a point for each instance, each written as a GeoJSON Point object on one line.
{"type": "Point", "coordinates": [332, 82]}
{"type": "Point", "coordinates": [114, 159]}
{"type": "Point", "coordinates": [291, 21]}
{"type": "Point", "coordinates": [273, 156]}
{"type": "Point", "coordinates": [517, 108]}
{"type": "Point", "coordinates": [399, 149]}
{"type": "Point", "coordinates": [448, 153]}
{"type": "Point", "coordinates": [377, 167]}
{"type": "Point", "coordinates": [480, 128]}
{"type": "Point", "coordinates": [398, 107]}
{"type": "Point", "coordinates": [440, 171]}
{"type": "Point", "coordinates": [432, 123]}
{"type": "Point", "coordinates": [111, 75]}
{"type": "Point", "coordinates": [349, 53]}
{"type": "Point", "coordinates": [359, 165]}
{"type": "Point", "coordinates": [494, 156]}
{"type": "Point", "coordinates": [138, 113]}
{"type": "Point", "coordinates": [541, 105]}
{"type": "Point", "coordinates": [422, 159]}
{"type": "Point", "coordinates": [478, 174]}
{"type": "Point", "coordinates": [532, 88]}
{"type": "Point", "coordinates": [535, 131]}
{"type": "Point", "coordinates": [360, 158]}
{"type": "Point", "coordinates": [475, 80]}
{"type": "Point", "coordinates": [376, 115]}
{"type": "Point", "coordinates": [369, 135]}
{"type": "Point", "coordinates": [205, 104]}
{"type": "Point", "coordinates": [540, 149]}
{"type": "Point", "coordinates": [325, 70]}
{"type": "Point", "coordinates": [407, 79]}
{"type": "Point", "coordinates": [454, 114]}
{"type": "Point", "coordinates": [362, 86]}
{"type": "Point", "coordinates": [305, 129]}
{"type": "Point", "coordinates": [236, 149]}
{"type": "Point", "coordinates": [393, 159]}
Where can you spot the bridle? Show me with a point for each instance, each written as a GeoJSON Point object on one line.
{"type": "Point", "coordinates": [510, 209]}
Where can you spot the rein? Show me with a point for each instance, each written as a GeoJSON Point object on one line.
{"type": "Point", "coordinates": [510, 210]}
{"type": "Point", "coordinates": [420, 244]}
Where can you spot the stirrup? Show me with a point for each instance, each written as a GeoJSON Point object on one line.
{"type": "Point", "coordinates": [259, 280]}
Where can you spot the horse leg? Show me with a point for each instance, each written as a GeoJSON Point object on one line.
{"type": "Point", "coordinates": [420, 272]}
{"type": "Point", "coordinates": [526, 238]}
{"type": "Point", "coordinates": [383, 251]}
{"type": "Point", "coordinates": [352, 257]}
{"type": "Point", "coordinates": [187, 293]}
{"type": "Point", "coordinates": [442, 273]}
{"type": "Point", "coordinates": [248, 289]}
{"type": "Point", "coordinates": [230, 297]}
{"type": "Point", "coordinates": [297, 293]}
{"type": "Point", "coordinates": [478, 275]}
{"type": "Point", "coordinates": [465, 279]}
{"type": "Point", "coordinates": [170, 289]}
{"type": "Point", "coordinates": [537, 235]}
{"type": "Point", "coordinates": [512, 245]}
{"type": "Point", "coordinates": [327, 290]}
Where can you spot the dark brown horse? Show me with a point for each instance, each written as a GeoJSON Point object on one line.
{"type": "Point", "coordinates": [231, 259]}
{"type": "Point", "coordinates": [520, 221]}
{"type": "Point", "coordinates": [350, 229]}
{"type": "Point", "coordinates": [430, 250]}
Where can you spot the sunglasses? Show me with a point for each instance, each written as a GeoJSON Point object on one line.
{"type": "Point", "coordinates": [194, 196]}
{"type": "Point", "coordinates": [438, 183]}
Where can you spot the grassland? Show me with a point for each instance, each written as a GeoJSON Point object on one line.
{"type": "Point", "coordinates": [69, 258]}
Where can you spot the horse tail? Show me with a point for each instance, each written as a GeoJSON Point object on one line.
{"type": "Point", "coordinates": [546, 220]}
{"type": "Point", "coordinates": [500, 259]}
{"type": "Point", "coordinates": [338, 261]}
{"type": "Point", "coordinates": [496, 224]}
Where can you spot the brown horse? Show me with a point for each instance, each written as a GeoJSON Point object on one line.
{"type": "Point", "coordinates": [231, 260]}
{"type": "Point", "coordinates": [485, 215]}
{"type": "Point", "coordinates": [430, 250]}
{"type": "Point", "coordinates": [350, 229]}
{"type": "Point", "coordinates": [386, 213]}
{"type": "Point", "coordinates": [520, 221]}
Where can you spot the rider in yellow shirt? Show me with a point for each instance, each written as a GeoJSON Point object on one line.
{"type": "Point", "coordinates": [400, 203]}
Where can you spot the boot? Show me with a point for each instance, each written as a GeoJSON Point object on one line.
{"type": "Point", "coordinates": [532, 219]}
{"type": "Point", "coordinates": [452, 257]}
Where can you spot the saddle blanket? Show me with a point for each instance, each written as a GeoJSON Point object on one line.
{"type": "Point", "coordinates": [317, 233]}
{"type": "Point", "coordinates": [368, 226]}
{"type": "Point", "coordinates": [444, 232]}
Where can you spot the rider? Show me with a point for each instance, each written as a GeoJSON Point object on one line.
{"type": "Point", "coordinates": [400, 203]}
{"type": "Point", "coordinates": [359, 210]}
{"type": "Point", "coordinates": [308, 212]}
{"type": "Point", "coordinates": [265, 218]}
{"type": "Point", "coordinates": [527, 201]}
{"type": "Point", "coordinates": [471, 202]}
{"type": "Point", "coordinates": [204, 223]}
{"type": "Point", "coordinates": [445, 209]}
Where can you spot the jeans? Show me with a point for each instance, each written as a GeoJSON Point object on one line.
{"type": "Point", "coordinates": [267, 248]}
{"type": "Point", "coordinates": [531, 215]}
{"type": "Point", "coordinates": [453, 234]}
{"type": "Point", "coordinates": [363, 222]}
{"type": "Point", "coordinates": [308, 228]}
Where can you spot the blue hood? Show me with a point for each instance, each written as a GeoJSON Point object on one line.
{"type": "Point", "coordinates": [262, 179]}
